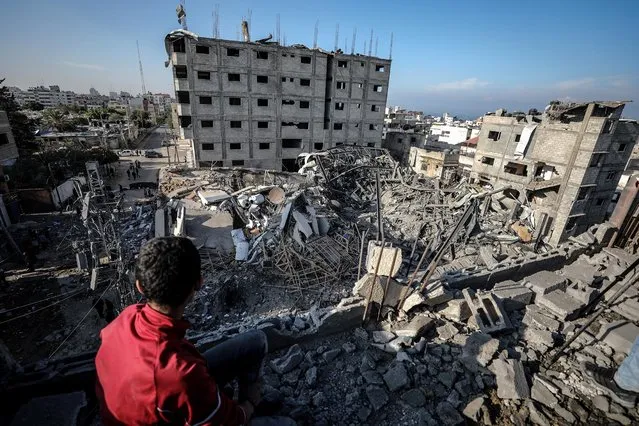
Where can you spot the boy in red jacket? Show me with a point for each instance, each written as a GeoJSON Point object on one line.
{"type": "Point", "coordinates": [148, 373]}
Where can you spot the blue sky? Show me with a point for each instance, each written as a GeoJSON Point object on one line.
{"type": "Point", "coordinates": [463, 57]}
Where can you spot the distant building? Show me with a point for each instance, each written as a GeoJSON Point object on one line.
{"type": "Point", "coordinates": [398, 143]}
{"type": "Point", "coordinates": [435, 164]}
{"type": "Point", "coordinates": [93, 92]}
{"type": "Point", "coordinates": [564, 164]}
{"type": "Point", "coordinates": [261, 105]}
{"type": "Point", "coordinates": [452, 135]}
{"type": "Point", "coordinates": [8, 148]}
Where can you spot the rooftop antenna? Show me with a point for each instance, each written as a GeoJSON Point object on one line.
{"type": "Point", "coordinates": [376, 42]}
{"type": "Point", "coordinates": [370, 45]}
{"type": "Point", "coordinates": [364, 47]}
{"type": "Point", "coordinates": [345, 44]}
{"type": "Point", "coordinates": [284, 39]}
{"type": "Point", "coordinates": [390, 55]}
{"type": "Point", "coordinates": [315, 35]}
{"type": "Point", "coordinates": [181, 14]}
{"type": "Point", "coordinates": [354, 39]}
{"type": "Point", "coordinates": [216, 21]}
{"type": "Point", "coordinates": [249, 15]}
{"type": "Point", "coordinates": [141, 71]}
{"type": "Point", "coordinates": [336, 36]}
{"type": "Point", "coordinates": [277, 28]}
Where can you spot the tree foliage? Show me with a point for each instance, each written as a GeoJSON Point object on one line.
{"type": "Point", "coordinates": [21, 126]}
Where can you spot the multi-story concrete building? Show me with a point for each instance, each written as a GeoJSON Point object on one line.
{"type": "Point", "coordinates": [565, 163]}
{"type": "Point", "coordinates": [8, 148]}
{"type": "Point", "coordinates": [261, 105]}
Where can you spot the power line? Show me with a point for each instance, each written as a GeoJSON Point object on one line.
{"type": "Point", "coordinates": [82, 320]}
{"type": "Point", "coordinates": [37, 310]}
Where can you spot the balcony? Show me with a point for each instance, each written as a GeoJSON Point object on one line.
{"type": "Point", "coordinates": [536, 185]}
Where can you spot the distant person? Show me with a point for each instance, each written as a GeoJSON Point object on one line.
{"type": "Point", "coordinates": [128, 173]}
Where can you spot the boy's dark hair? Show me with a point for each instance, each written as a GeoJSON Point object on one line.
{"type": "Point", "coordinates": [168, 269]}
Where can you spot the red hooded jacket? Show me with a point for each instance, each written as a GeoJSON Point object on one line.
{"type": "Point", "coordinates": [149, 374]}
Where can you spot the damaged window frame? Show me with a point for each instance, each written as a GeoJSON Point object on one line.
{"type": "Point", "coordinates": [202, 49]}
{"type": "Point", "coordinates": [494, 135]}
{"type": "Point", "coordinates": [233, 52]}
{"type": "Point", "coordinates": [342, 64]}
{"type": "Point", "coordinates": [261, 54]}
{"type": "Point", "coordinates": [181, 71]}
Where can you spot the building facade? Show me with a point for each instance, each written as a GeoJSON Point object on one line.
{"type": "Point", "coordinates": [564, 163]}
{"type": "Point", "coordinates": [261, 105]}
{"type": "Point", "coordinates": [435, 164]}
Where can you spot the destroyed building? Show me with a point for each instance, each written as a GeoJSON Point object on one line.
{"type": "Point", "coordinates": [436, 164]}
{"type": "Point", "coordinates": [260, 104]}
{"type": "Point", "coordinates": [564, 163]}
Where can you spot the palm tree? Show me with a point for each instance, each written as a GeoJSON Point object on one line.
{"type": "Point", "coordinates": [56, 118]}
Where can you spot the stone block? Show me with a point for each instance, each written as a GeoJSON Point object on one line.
{"type": "Point", "coordinates": [537, 338]}
{"type": "Point", "coordinates": [396, 377]}
{"type": "Point", "coordinates": [582, 292]}
{"type": "Point", "coordinates": [487, 311]}
{"type": "Point", "coordinates": [456, 310]}
{"type": "Point", "coordinates": [289, 361]}
{"type": "Point", "coordinates": [376, 396]}
{"type": "Point", "coordinates": [512, 295]}
{"type": "Point", "coordinates": [511, 379]}
{"type": "Point", "coordinates": [581, 270]}
{"type": "Point", "coordinates": [342, 318]}
{"type": "Point", "coordinates": [387, 254]}
{"type": "Point", "coordinates": [473, 409]}
{"type": "Point", "coordinates": [562, 305]}
{"type": "Point", "coordinates": [447, 331]}
{"type": "Point", "coordinates": [540, 318]}
{"type": "Point", "coordinates": [435, 294]}
{"type": "Point", "coordinates": [478, 350]}
{"type": "Point", "coordinates": [414, 398]}
{"type": "Point", "coordinates": [619, 335]}
{"type": "Point", "coordinates": [419, 325]}
{"type": "Point", "coordinates": [544, 282]}
{"type": "Point", "coordinates": [540, 393]}
{"type": "Point", "coordinates": [414, 300]}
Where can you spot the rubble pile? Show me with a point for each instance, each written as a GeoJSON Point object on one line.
{"type": "Point", "coordinates": [137, 228]}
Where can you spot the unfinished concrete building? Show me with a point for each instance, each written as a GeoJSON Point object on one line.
{"type": "Point", "coordinates": [262, 104]}
{"type": "Point", "coordinates": [436, 164]}
{"type": "Point", "coordinates": [564, 164]}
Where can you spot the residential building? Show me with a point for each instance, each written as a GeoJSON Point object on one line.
{"type": "Point", "coordinates": [564, 164]}
{"type": "Point", "coordinates": [399, 143]}
{"type": "Point", "coordinates": [8, 148]}
{"type": "Point", "coordinates": [435, 164]}
{"type": "Point", "coordinates": [49, 97]}
{"type": "Point", "coordinates": [261, 105]}
{"type": "Point", "coordinates": [452, 135]}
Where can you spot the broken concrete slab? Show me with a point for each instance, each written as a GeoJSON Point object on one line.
{"type": "Point", "coordinates": [478, 350]}
{"type": "Point", "coordinates": [436, 294]}
{"type": "Point", "coordinates": [580, 270]}
{"type": "Point", "coordinates": [540, 393]}
{"type": "Point", "coordinates": [619, 335]}
{"type": "Point", "coordinates": [511, 379]}
{"type": "Point", "coordinates": [383, 336]}
{"type": "Point", "coordinates": [537, 338]}
{"type": "Point", "coordinates": [582, 292]}
{"type": "Point", "coordinates": [562, 305]}
{"type": "Point", "coordinates": [414, 300]}
{"type": "Point", "coordinates": [473, 408]}
{"type": "Point", "coordinates": [486, 255]}
{"type": "Point", "coordinates": [487, 311]}
{"type": "Point", "coordinates": [447, 331]}
{"type": "Point", "coordinates": [456, 310]}
{"type": "Point", "coordinates": [540, 318]}
{"type": "Point", "coordinates": [419, 325]}
{"type": "Point", "coordinates": [544, 282]}
{"type": "Point", "coordinates": [386, 267]}
{"type": "Point", "coordinates": [513, 296]}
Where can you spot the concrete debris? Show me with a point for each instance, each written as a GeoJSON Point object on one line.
{"type": "Point", "coordinates": [447, 414]}
{"type": "Point", "coordinates": [487, 311]}
{"type": "Point", "coordinates": [511, 379]}
{"type": "Point", "coordinates": [473, 408]}
{"type": "Point", "coordinates": [544, 282]}
{"type": "Point", "coordinates": [479, 349]}
{"type": "Point", "coordinates": [396, 378]}
{"type": "Point", "coordinates": [414, 300]}
{"type": "Point", "coordinates": [540, 318]}
{"type": "Point", "coordinates": [419, 325]}
{"type": "Point", "coordinates": [414, 398]}
{"type": "Point", "coordinates": [512, 295]}
{"type": "Point", "coordinates": [456, 310]}
{"type": "Point", "coordinates": [619, 335]}
{"type": "Point", "coordinates": [288, 362]}
{"type": "Point", "coordinates": [377, 397]}
{"type": "Point", "coordinates": [560, 304]}
{"type": "Point", "coordinates": [540, 393]}
{"type": "Point", "coordinates": [390, 258]}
